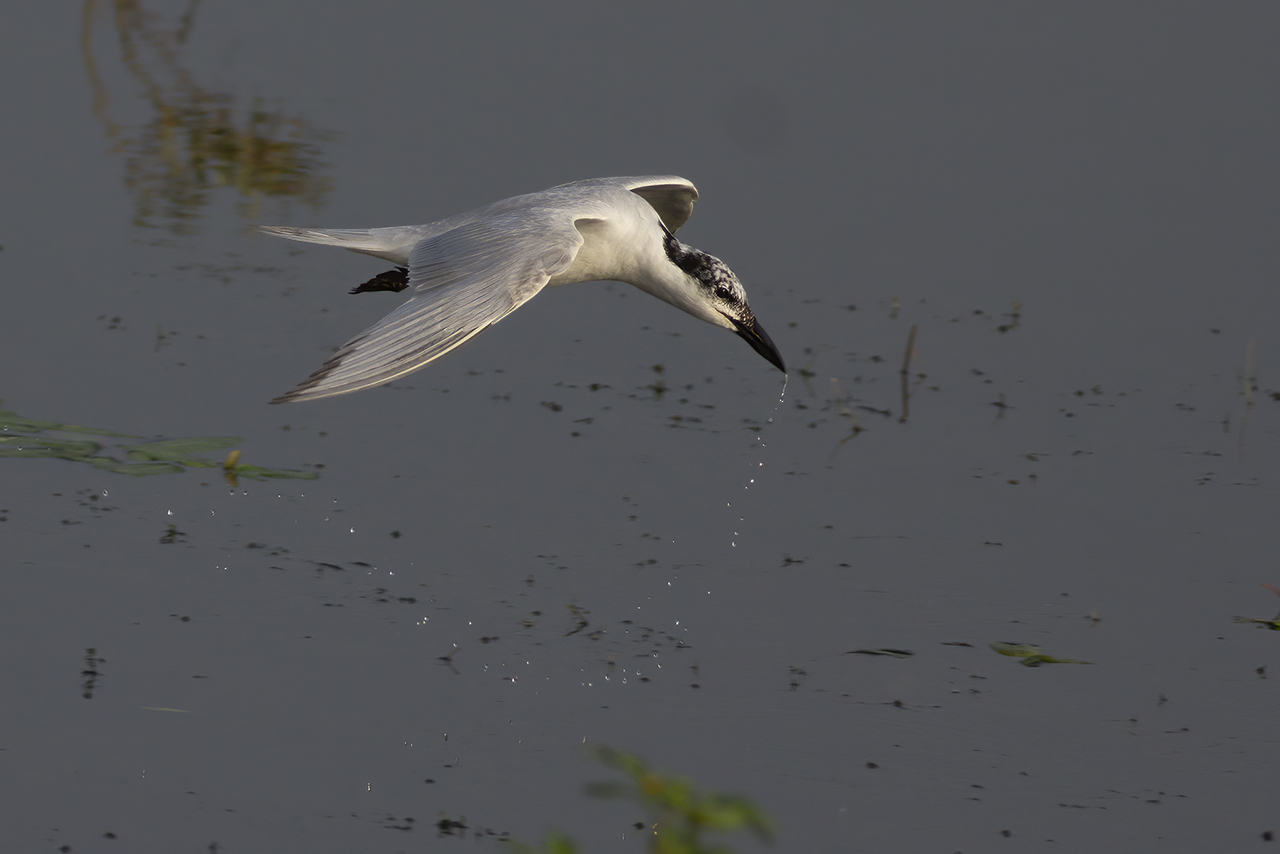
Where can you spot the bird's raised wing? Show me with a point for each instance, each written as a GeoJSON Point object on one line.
{"type": "Point", "coordinates": [670, 196]}
{"type": "Point", "coordinates": [464, 281]}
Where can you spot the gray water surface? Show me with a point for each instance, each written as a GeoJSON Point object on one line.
{"type": "Point", "coordinates": [1072, 205]}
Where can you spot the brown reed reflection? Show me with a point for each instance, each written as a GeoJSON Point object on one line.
{"type": "Point", "coordinates": [192, 141]}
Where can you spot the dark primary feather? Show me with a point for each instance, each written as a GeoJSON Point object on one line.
{"type": "Point", "coordinates": [392, 280]}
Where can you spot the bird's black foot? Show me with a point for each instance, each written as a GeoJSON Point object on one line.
{"type": "Point", "coordinates": [392, 280]}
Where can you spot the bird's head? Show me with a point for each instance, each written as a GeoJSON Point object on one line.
{"type": "Point", "coordinates": [709, 290]}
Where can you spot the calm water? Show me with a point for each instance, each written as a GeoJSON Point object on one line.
{"type": "Point", "coordinates": [1073, 207]}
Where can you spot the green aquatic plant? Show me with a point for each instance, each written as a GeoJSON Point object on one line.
{"type": "Point", "coordinates": [1273, 624]}
{"type": "Point", "coordinates": [32, 438]}
{"type": "Point", "coordinates": [679, 815]}
{"type": "Point", "coordinates": [1031, 655]}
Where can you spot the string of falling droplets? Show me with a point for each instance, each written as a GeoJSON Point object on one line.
{"type": "Point", "coordinates": [781, 398]}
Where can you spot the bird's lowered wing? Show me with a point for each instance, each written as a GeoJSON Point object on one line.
{"type": "Point", "coordinates": [464, 281]}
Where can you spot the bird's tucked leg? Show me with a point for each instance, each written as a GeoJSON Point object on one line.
{"type": "Point", "coordinates": [392, 280]}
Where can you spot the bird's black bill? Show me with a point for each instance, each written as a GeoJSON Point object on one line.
{"type": "Point", "coordinates": [759, 341]}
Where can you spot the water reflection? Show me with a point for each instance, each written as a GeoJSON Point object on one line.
{"type": "Point", "coordinates": [195, 140]}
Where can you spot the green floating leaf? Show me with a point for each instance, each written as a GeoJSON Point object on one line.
{"type": "Point", "coordinates": [1015, 649]}
{"type": "Point", "coordinates": [24, 438]}
{"type": "Point", "coordinates": [1031, 655]}
{"type": "Point", "coordinates": [1273, 625]}
{"type": "Point", "coordinates": [135, 469]}
{"type": "Point", "coordinates": [41, 453]}
{"type": "Point", "coordinates": [176, 450]}
{"type": "Point", "coordinates": [189, 462]}
{"type": "Point", "coordinates": [18, 424]}
{"type": "Point", "coordinates": [27, 446]}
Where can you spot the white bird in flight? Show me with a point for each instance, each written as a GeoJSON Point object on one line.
{"type": "Point", "coordinates": [471, 270]}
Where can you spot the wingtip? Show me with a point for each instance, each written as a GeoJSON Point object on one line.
{"type": "Point", "coordinates": [320, 384]}
{"type": "Point", "coordinates": [304, 390]}
{"type": "Point", "coordinates": [293, 395]}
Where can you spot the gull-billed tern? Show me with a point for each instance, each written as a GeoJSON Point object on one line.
{"type": "Point", "coordinates": [471, 270]}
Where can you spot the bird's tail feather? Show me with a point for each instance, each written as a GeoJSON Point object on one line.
{"type": "Point", "coordinates": [393, 244]}
{"type": "Point", "coordinates": [357, 239]}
